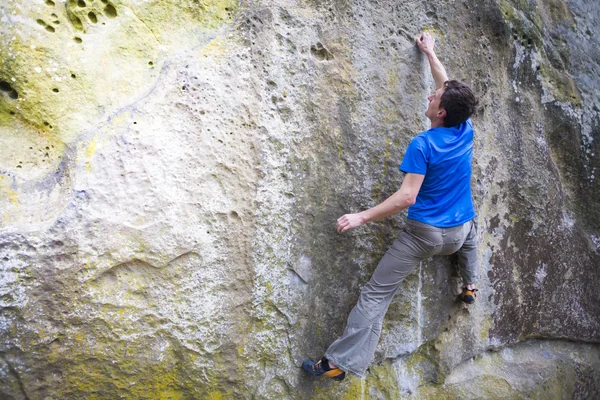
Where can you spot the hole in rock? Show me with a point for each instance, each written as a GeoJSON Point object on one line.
{"type": "Point", "coordinates": [50, 29]}
{"type": "Point", "coordinates": [77, 24]}
{"type": "Point", "coordinates": [49, 3]}
{"type": "Point", "coordinates": [110, 11]}
{"type": "Point", "coordinates": [12, 113]}
{"type": "Point", "coordinates": [46, 123]}
{"type": "Point", "coordinates": [56, 22]}
{"type": "Point", "coordinates": [5, 86]}
{"type": "Point", "coordinates": [320, 52]}
{"type": "Point", "coordinates": [93, 17]}
{"type": "Point", "coordinates": [81, 3]}
{"type": "Point", "coordinates": [54, 16]}
{"type": "Point", "coordinates": [135, 122]}
{"type": "Point", "coordinates": [55, 90]}
{"type": "Point", "coordinates": [150, 63]}
{"type": "Point", "coordinates": [41, 22]}
{"type": "Point", "coordinates": [73, 76]}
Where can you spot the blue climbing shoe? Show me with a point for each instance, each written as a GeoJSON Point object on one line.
{"type": "Point", "coordinates": [468, 295]}
{"type": "Point", "coordinates": [321, 368]}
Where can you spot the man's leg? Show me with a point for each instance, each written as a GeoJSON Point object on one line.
{"type": "Point", "coordinates": [353, 351]}
{"type": "Point", "coordinates": [467, 264]}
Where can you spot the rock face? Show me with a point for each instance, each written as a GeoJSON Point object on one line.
{"type": "Point", "coordinates": [171, 173]}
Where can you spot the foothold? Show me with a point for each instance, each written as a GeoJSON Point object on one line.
{"type": "Point", "coordinates": [50, 29]}
{"type": "Point", "coordinates": [150, 63]}
{"type": "Point", "coordinates": [55, 90]}
{"type": "Point", "coordinates": [41, 22]}
{"type": "Point", "coordinates": [93, 17]}
{"type": "Point", "coordinates": [110, 11]}
{"type": "Point", "coordinates": [49, 3]}
{"type": "Point", "coordinates": [81, 3]}
{"type": "Point", "coordinates": [73, 76]}
{"type": "Point", "coordinates": [77, 39]}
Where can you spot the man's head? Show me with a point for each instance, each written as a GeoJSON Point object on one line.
{"type": "Point", "coordinates": [451, 105]}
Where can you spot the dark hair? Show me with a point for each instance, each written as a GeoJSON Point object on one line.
{"type": "Point", "coordinates": [459, 101]}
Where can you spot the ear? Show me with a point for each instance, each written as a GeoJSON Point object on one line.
{"type": "Point", "coordinates": [441, 114]}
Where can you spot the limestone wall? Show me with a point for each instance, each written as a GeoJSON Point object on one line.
{"type": "Point", "coordinates": [171, 173]}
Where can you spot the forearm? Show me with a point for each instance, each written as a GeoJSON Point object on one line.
{"type": "Point", "coordinates": [403, 198]}
{"type": "Point", "coordinates": [392, 205]}
{"type": "Point", "coordinates": [437, 69]}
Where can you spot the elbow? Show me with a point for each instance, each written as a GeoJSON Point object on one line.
{"type": "Point", "coordinates": [406, 202]}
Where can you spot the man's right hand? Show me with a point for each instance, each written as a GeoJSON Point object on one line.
{"type": "Point", "coordinates": [349, 221]}
{"type": "Point", "coordinates": [426, 42]}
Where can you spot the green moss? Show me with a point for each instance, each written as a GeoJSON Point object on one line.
{"type": "Point", "coordinates": [559, 11]}
{"type": "Point", "coordinates": [424, 364]}
{"type": "Point", "coordinates": [523, 28]}
{"type": "Point", "coordinates": [562, 86]}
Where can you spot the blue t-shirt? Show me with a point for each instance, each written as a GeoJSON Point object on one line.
{"type": "Point", "coordinates": [444, 156]}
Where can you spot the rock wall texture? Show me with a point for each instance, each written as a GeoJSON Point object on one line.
{"type": "Point", "coordinates": [171, 172]}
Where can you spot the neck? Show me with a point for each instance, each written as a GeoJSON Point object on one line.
{"type": "Point", "coordinates": [437, 124]}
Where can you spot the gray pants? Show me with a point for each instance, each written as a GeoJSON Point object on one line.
{"type": "Point", "coordinates": [353, 351]}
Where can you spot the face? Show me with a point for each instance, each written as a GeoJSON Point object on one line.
{"type": "Point", "coordinates": [434, 113]}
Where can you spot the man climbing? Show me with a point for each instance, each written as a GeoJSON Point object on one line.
{"type": "Point", "coordinates": [436, 190]}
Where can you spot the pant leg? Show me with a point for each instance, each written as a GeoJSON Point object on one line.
{"type": "Point", "coordinates": [467, 257]}
{"type": "Point", "coordinates": [354, 350]}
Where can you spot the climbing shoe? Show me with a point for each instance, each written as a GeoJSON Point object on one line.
{"type": "Point", "coordinates": [321, 368]}
{"type": "Point", "coordinates": [468, 295]}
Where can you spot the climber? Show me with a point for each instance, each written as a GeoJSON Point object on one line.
{"type": "Point", "coordinates": [441, 219]}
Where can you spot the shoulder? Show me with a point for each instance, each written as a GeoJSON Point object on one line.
{"type": "Point", "coordinates": [421, 141]}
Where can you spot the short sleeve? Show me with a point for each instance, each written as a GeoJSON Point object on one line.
{"type": "Point", "coordinates": [416, 158]}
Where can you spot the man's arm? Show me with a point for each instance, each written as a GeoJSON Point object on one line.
{"type": "Point", "coordinates": [403, 198]}
{"type": "Point", "coordinates": [426, 43]}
